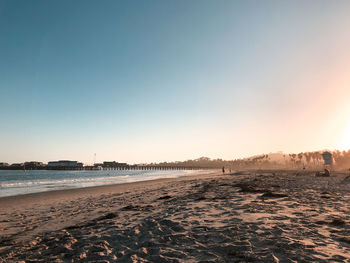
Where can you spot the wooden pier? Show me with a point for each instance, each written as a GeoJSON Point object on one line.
{"type": "Point", "coordinates": [98, 168]}
{"type": "Point", "coordinates": [127, 167]}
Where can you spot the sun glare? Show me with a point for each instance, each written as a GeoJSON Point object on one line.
{"type": "Point", "coordinates": [345, 142]}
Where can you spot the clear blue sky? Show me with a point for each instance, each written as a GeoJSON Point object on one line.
{"type": "Point", "coordinates": [142, 81]}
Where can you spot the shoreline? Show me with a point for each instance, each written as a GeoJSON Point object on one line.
{"type": "Point", "coordinates": [32, 195]}
{"type": "Point", "coordinates": [92, 190]}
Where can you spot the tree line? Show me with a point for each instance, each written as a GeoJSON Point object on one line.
{"type": "Point", "coordinates": [307, 160]}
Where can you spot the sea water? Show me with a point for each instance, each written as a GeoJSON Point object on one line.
{"type": "Point", "coordinates": [18, 182]}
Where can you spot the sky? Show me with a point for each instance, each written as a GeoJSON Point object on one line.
{"type": "Point", "coordinates": [151, 81]}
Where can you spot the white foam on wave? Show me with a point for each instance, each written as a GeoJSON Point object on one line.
{"type": "Point", "coordinates": [64, 181]}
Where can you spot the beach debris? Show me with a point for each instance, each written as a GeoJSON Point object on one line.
{"type": "Point", "coordinates": [224, 184]}
{"type": "Point", "coordinates": [269, 194]}
{"type": "Point", "coordinates": [325, 174]}
{"type": "Point", "coordinates": [165, 197]}
{"type": "Point", "coordinates": [200, 198]}
{"type": "Point", "coordinates": [131, 208]}
{"type": "Point", "coordinates": [345, 239]}
{"type": "Point", "coordinates": [107, 216]}
{"type": "Point", "coordinates": [334, 222]}
{"type": "Point", "coordinates": [325, 195]}
{"type": "Point", "coordinates": [337, 222]}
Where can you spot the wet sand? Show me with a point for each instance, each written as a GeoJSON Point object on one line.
{"type": "Point", "coordinates": [278, 216]}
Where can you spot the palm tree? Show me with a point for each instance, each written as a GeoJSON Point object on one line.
{"type": "Point", "coordinates": [308, 158]}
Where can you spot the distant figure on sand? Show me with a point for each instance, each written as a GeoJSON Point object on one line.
{"type": "Point", "coordinates": [223, 169]}
{"type": "Point", "coordinates": [326, 172]}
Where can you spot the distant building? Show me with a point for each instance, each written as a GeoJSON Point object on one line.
{"type": "Point", "coordinates": [114, 164]}
{"type": "Point", "coordinates": [33, 165]}
{"type": "Point", "coordinates": [17, 165]}
{"type": "Point", "coordinates": [4, 165]}
{"type": "Point", "coordinates": [65, 163]}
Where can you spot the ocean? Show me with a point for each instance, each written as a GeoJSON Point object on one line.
{"type": "Point", "coordinates": [19, 182]}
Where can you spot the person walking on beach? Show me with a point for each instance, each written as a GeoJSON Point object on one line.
{"type": "Point", "coordinates": [223, 169]}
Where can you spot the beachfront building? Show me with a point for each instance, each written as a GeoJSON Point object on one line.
{"type": "Point", "coordinates": [17, 166]}
{"type": "Point", "coordinates": [64, 163]}
{"type": "Point", "coordinates": [33, 165]}
{"type": "Point", "coordinates": [2, 165]}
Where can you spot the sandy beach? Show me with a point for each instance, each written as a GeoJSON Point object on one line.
{"type": "Point", "coordinates": [256, 216]}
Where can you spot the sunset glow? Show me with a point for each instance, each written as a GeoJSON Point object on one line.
{"type": "Point", "coordinates": [225, 80]}
{"type": "Point", "coordinates": [345, 141]}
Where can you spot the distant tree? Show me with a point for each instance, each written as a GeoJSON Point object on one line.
{"type": "Point", "coordinates": [300, 157]}
{"type": "Point", "coordinates": [308, 157]}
